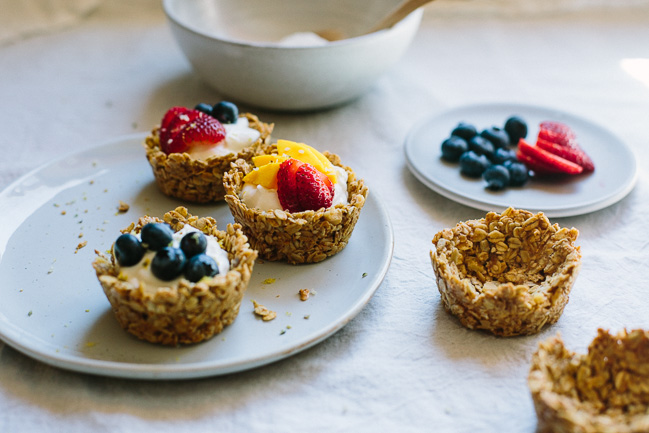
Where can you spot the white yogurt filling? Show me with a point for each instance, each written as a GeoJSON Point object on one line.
{"type": "Point", "coordinates": [237, 137]}
{"type": "Point", "coordinates": [259, 197]}
{"type": "Point", "coordinates": [141, 275]}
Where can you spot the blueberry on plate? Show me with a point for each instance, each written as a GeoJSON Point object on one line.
{"type": "Point", "coordinates": [518, 173]}
{"type": "Point", "coordinates": [156, 235]}
{"type": "Point", "coordinates": [501, 155]}
{"type": "Point", "coordinates": [496, 136]}
{"type": "Point", "coordinates": [453, 147]}
{"type": "Point", "coordinates": [168, 263]}
{"type": "Point", "coordinates": [128, 250]}
{"type": "Point", "coordinates": [200, 266]}
{"type": "Point", "coordinates": [225, 112]}
{"type": "Point", "coordinates": [465, 130]}
{"type": "Point", "coordinates": [497, 177]}
{"type": "Point", "coordinates": [203, 107]}
{"type": "Point", "coordinates": [481, 146]}
{"type": "Point", "coordinates": [193, 243]}
{"type": "Point", "coordinates": [516, 128]}
{"type": "Point", "coordinates": [472, 164]}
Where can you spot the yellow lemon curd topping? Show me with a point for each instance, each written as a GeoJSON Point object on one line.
{"type": "Point", "coordinates": [267, 166]}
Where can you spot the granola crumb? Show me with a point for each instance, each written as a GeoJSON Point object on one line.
{"type": "Point", "coordinates": [304, 294]}
{"type": "Point", "coordinates": [123, 207]}
{"type": "Point", "coordinates": [307, 317]}
{"type": "Point", "coordinates": [268, 281]}
{"type": "Point", "coordinates": [81, 245]}
{"type": "Point", "coordinates": [63, 212]}
{"type": "Point", "coordinates": [263, 312]}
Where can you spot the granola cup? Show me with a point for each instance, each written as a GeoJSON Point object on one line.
{"type": "Point", "coordinates": [300, 237]}
{"type": "Point", "coordinates": [605, 390]}
{"type": "Point", "coordinates": [508, 273]}
{"type": "Point", "coordinates": [199, 181]}
{"type": "Point", "coordinates": [190, 312]}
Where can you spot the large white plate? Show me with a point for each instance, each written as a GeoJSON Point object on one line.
{"type": "Point", "coordinates": [54, 310]}
{"type": "Point", "coordinates": [614, 176]}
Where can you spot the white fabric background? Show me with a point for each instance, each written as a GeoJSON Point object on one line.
{"type": "Point", "coordinates": [402, 364]}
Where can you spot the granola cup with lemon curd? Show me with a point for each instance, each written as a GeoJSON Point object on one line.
{"type": "Point", "coordinates": [176, 280]}
{"type": "Point", "coordinates": [509, 274]}
{"type": "Point", "coordinates": [190, 151]}
{"type": "Point", "coordinates": [294, 203]}
{"type": "Point", "coordinates": [604, 390]}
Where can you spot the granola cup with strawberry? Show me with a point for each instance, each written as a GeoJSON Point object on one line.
{"type": "Point", "coordinates": [294, 203]}
{"type": "Point", "coordinates": [191, 149]}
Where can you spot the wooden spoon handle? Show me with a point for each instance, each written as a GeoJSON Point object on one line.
{"type": "Point", "coordinates": [398, 14]}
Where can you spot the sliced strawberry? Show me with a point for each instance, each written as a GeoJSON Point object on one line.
{"type": "Point", "coordinates": [537, 167]}
{"type": "Point", "coordinates": [287, 186]}
{"type": "Point", "coordinates": [314, 188]}
{"type": "Point", "coordinates": [557, 132]}
{"type": "Point", "coordinates": [171, 114]}
{"type": "Point", "coordinates": [173, 125]}
{"type": "Point", "coordinates": [571, 153]}
{"type": "Point", "coordinates": [547, 159]}
{"type": "Point", "coordinates": [204, 130]}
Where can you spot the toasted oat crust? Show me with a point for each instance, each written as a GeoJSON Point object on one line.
{"type": "Point", "coordinates": [508, 273]}
{"type": "Point", "coordinates": [199, 181]}
{"type": "Point", "coordinates": [301, 237]}
{"type": "Point", "coordinates": [605, 390]}
{"type": "Point", "coordinates": [190, 312]}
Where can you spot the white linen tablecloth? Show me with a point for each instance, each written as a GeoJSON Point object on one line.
{"type": "Point", "coordinates": [403, 364]}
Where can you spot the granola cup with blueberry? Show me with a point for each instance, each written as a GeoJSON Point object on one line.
{"type": "Point", "coordinates": [176, 280]}
{"type": "Point", "coordinates": [294, 203]}
{"type": "Point", "coordinates": [192, 148]}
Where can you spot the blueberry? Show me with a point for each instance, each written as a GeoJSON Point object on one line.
{"type": "Point", "coordinates": [205, 108]}
{"type": "Point", "coordinates": [501, 155]}
{"type": "Point", "coordinates": [128, 250]}
{"type": "Point", "coordinates": [481, 146]}
{"type": "Point", "coordinates": [465, 130]}
{"type": "Point", "coordinates": [168, 263]}
{"type": "Point", "coordinates": [453, 147]}
{"type": "Point", "coordinates": [200, 266]}
{"type": "Point", "coordinates": [225, 112]}
{"type": "Point", "coordinates": [472, 164]}
{"type": "Point", "coordinates": [496, 136]}
{"type": "Point", "coordinates": [156, 235]}
{"type": "Point", "coordinates": [516, 128]}
{"type": "Point", "coordinates": [193, 243]}
{"type": "Point", "coordinates": [518, 173]}
{"type": "Point", "coordinates": [497, 177]}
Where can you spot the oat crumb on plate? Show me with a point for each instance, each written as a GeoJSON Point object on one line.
{"type": "Point", "coordinates": [263, 312]}
{"type": "Point", "coordinates": [304, 294]}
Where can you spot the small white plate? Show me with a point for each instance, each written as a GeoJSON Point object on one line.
{"type": "Point", "coordinates": [614, 176]}
{"type": "Point", "coordinates": [53, 308]}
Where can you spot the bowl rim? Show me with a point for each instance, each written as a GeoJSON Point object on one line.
{"type": "Point", "coordinates": [413, 19]}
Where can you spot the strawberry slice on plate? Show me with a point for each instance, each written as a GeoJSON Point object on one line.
{"type": "Point", "coordinates": [557, 132]}
{"type": "Point", "coordinates": [572, 153]}
{"type": "Point", "coordinates": [546, 160]}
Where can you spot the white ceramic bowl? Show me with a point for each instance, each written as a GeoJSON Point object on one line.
{"type": "Point", "coordinates": [233, 46]}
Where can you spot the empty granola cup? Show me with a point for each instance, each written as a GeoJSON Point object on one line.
{"type": "Point", "coordinates": [183, 312]}
{"type": "Point", "coordinates": [194, 180]}
{"type": "Point", "coordinates": [605, 390]}
{"type": "Point", "coordinates": [300, 237]}
{"type": "Point", "coordinates": [509, 274]}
